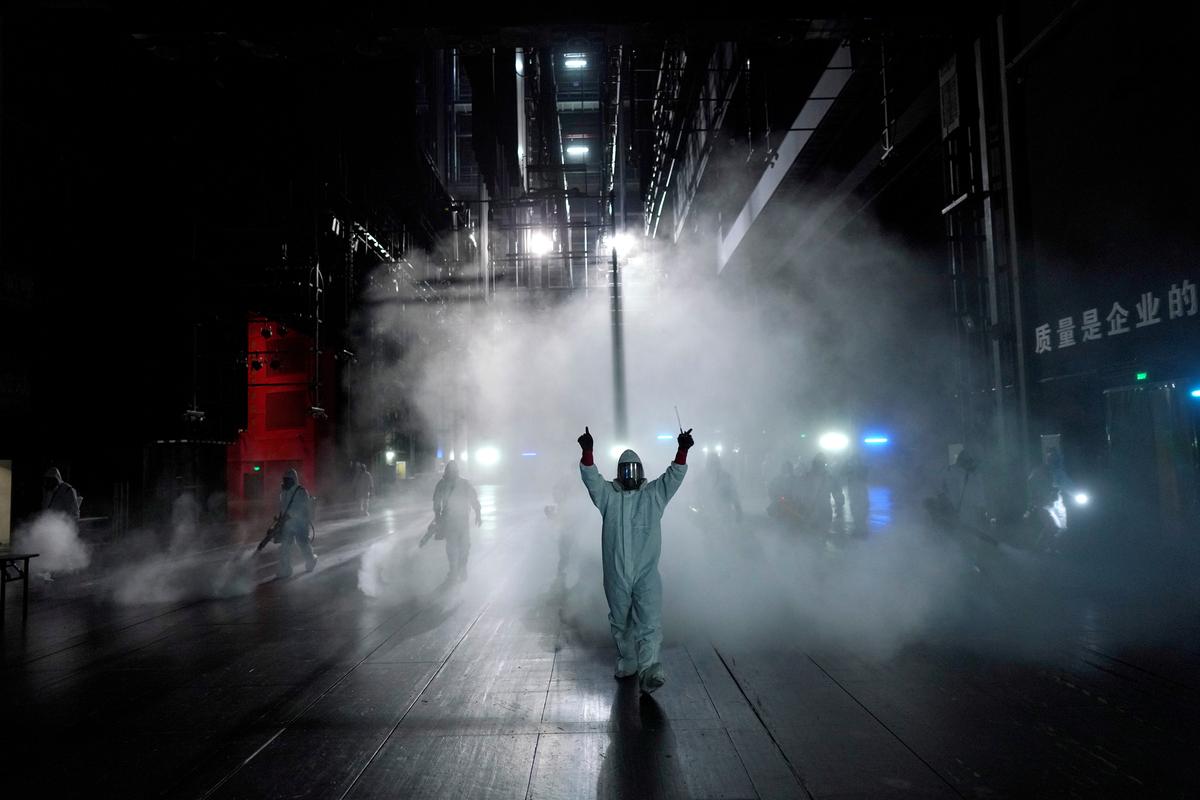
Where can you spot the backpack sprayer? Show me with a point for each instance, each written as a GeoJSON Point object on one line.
{"type": "Point", "coordinates": [275, 529]}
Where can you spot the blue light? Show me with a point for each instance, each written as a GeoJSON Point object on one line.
{"type": "Point", "coordinates": [1195, 392]}
{"type": "Point", "coordinates": [876, 440]}
{"type": "Point", "coordinates": [528, 455]}
{"type": "Point", "coordinates": [665, 437]}
{"type": "Point", "coordinates": [439, 454]}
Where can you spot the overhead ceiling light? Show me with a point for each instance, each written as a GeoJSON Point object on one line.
{"type": "Point", "coordinates": [540, 244]}
{"type": "Point", "coordinates": [575, 61]}
{"type": "Point", "coordinates": [577, 150]}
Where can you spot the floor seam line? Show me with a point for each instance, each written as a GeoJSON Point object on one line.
{"type": "Point", "coordinates": [414, 702]}
{"type": "Point", "coordinates": [885, 726]}
{"type": "Point", "coordinates": [545, 702]}
{"type": "Point", "coordinates": [299, 714]}
{"type": "Point", "coordinates": [766, 728]}
{"type": "Point", "coordinates": [724, 725]}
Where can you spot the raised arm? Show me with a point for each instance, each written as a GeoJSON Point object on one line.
{"type": "Point", "coordinates": [592, 479]}
{"type": "Point", "coordinates": [665, 485]}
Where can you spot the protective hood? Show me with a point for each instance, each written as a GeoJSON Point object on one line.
{"type": "Point", "coordinates": [630, 473]}
{"type": "Point", "coordinates": [293, 476]}
{"type": "Point", "coordinates": [53, 473]}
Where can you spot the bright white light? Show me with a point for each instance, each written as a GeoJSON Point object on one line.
{"type": "Point", "coordinates": [626, 244]}
{"type": "Point", "coordinates": [528, 455]}
{"type": "Point", "coordinates": [1081, 498]}
{"type": "Point", "coordinates": [540, 244]}
{"type": "Point", "coordinates": [666, 437]}
{"type": "Point", "coordinates": [390, 455]}
{"type": "Point", "coordinates": [1195, 392]}
{"type": "Point", "coordinates": [487, 456]}
{"type": "Point", "coordinates": [833, 441]}
{"type": "Point", "coordinates": [575, 61]}
{"type": "Point", "coordinates": [465, 457]}
{"type": "Point", "coordinates": [875, 440]}
{"type": "Point", "coordinates": [577, 150]}
{"type": "Point", "coordinates": [704, 449]}
{"type": "Point", "coordinates": [719, 449]}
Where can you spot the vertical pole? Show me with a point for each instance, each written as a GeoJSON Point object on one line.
{"type": "Point", "coordinates": [1013, 259]}
{"type": "Point", "coordinates": [618, 339]}
{"type": "Point", "coordinates": [989, 258]}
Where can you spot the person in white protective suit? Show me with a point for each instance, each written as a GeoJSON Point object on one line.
{"type": "Point", "coordinates": [58, 495]}
{"type": "Point", "coordinates": [454, 498]}
{"type": "Point", "coordinates": [295, 509]}
{"type": "Point", "coordinates": [632, 509]}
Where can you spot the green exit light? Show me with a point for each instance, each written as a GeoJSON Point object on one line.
{"type": "Point", "coordinates": [257, 468]}
{"type": "Point", "coordinates": [1141, 376]}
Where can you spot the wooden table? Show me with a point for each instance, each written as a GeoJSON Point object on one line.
{"type": "Point", "coordinates": [15, 567]}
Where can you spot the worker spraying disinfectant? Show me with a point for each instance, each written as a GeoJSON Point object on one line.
{"type": "Point", "coordinates": [292, 525]}
{"type": "Point", "coordinates": [632, 509]}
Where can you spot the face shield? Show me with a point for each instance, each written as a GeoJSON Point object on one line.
{"type": "Point", "coordinates": [630, 474]}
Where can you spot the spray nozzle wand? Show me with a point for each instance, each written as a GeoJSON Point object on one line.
{"type": "Point", "coordinates": [677, 419]}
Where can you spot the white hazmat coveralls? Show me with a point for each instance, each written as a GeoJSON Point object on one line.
{"type": "Point", "coordinates": [296, 503]}
{"type": "Point", "coordinates": [631, 544]}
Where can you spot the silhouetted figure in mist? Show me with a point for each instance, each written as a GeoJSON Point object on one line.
{"type": "Point", "coordinates": [59, 496]}
{"type": "Point", "coordinates": [783, 497]}
{"type": "Point", "coordinates": [1045, 487]}
{"type": "Point", "coordinates": [364, 487]}
{"type": "Point", "coordinates": [566, 519]}
{"type": "Point", "coordinates": [854, 473]}
{"type": "Point", "coordinates": [960, 499]}
{"type": "Point", "coordinates": [820, 492]}
{"type": "Point", "coordinates": [721, 491]}
{"type": "Point", "coordinates": [454, 498]}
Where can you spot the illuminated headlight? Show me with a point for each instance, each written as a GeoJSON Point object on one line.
{"type": "Point", "coordinates": [487, 456]}
{"type": "Point", "coordinates": [833, 441]}
{"type": "Point", "coordinates": [1081, 498]}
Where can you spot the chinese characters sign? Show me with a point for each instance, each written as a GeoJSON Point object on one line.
{"type": "Point", "coordinates": [1182, 301]}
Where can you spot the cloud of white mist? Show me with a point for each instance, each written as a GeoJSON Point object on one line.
{"type": "Point", "coordinates": [55, 537]}
{"type": "Point", "coordinates": [178, 564]}
{"type": "Point", "coordinates": [844, 340]}
{"type": "Point", "coordinates": [169, 578]}
{"type": "Point", "coordinates": [396, 570]}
